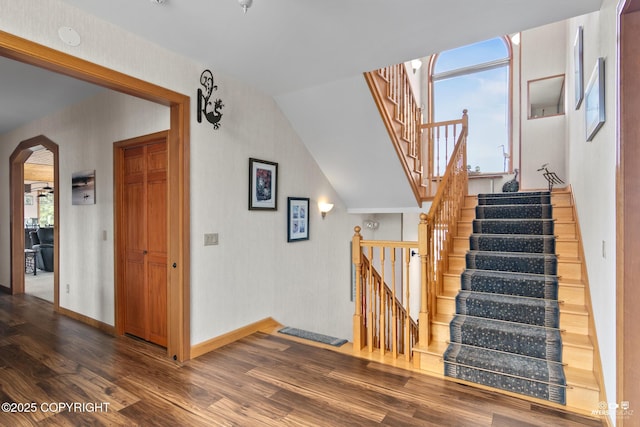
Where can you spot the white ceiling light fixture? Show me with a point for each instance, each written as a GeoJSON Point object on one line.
{"type": "Point", "coordinates": [246, 4]}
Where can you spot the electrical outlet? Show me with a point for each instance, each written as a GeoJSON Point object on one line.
{"type": "Point", "coordinates": [604, 249]}
{"type": "Point", "coordinates": [68, 287]}
{"type": "Point", "coordinates": [210, 239]}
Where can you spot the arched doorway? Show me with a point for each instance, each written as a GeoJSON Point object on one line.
{"type": "Point", "coordinates": [16, 164]}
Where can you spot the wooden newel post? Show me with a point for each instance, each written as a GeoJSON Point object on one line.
{"type": "Point", "coordinates": [424, 319]}
{"type": "Point", "coordinates": [356, 258]}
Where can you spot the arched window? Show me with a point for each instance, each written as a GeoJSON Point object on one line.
{"type": "Point", "coordinates": [477, 77]}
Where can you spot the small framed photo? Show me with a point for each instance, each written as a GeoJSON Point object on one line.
{"type": "Point", "coordinates": [297, 219]}
{"type": "Point", "coordinates": [83, 188]}
{"type": "Point", "coordinates": [594, 113]}
{"type": "Point", "coordinates": [578, 54]}
{"type": "Point", "coordinates": [28, 200]}
{"type": "Point", "coordinates": [263, 185]}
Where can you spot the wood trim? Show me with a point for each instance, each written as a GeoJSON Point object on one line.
{"type": "Point", "coordinates": [266, 325]}
{"type": "Point", "coordinates": [23, 50]}
{"type": "Point", "coordinates": [16, 185]}
{"type": "Point", "coordinates": [597, 362]}
{"type": "Point", "coordinates": [88, 321]}
{"type": "Point", "coordinates": [627, 205]}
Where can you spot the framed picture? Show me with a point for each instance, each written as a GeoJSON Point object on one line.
{"type": "Point", "coordinates": [594, 113]}
{"type": "Point", "coordinates": [83, 188]}
{"type": "Point", "coordinates": [297, 219]}
{"type": "Point", "coordinates": [263, 185]}
{"type": "Point", "coordinates": [28, 200]}
{"type": "Point", "coordinates": [578, 70]}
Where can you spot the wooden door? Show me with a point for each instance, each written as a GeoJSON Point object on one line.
{"type": "Point", "coordinates": [144, 223]}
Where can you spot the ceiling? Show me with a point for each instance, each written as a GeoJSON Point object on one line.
{"type": "Point", "coordinates": [298, 51]}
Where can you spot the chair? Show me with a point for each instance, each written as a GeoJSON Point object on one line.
{"type": "Point", "coordinates": [42, 243]}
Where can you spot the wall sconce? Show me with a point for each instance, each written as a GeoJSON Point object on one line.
{"type": "Point", "coordinates": [371, 224]}
{"type": "Point", "coordinates": [324, 208]}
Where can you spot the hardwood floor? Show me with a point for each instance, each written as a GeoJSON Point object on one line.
{"type": "Point", "coordinates": [52, 360]}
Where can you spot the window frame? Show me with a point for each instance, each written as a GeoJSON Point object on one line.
{"type": "Point", "coordinates": [483, 66]}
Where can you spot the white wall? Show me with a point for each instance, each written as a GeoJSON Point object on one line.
{"type": "Point", "coordinates": [543, 54]}
{"type": "Point", "coordinates": [253, 272]}
{"type": "Point", "coordinates": [592, 167]}
{"type": "Point", "coordinates": [85, 134]}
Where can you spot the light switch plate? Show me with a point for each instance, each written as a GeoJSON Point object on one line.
{"type": "Point", "coordinates": [210, 239]}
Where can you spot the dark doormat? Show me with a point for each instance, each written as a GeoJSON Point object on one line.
{"type": "Point", "coordinates": [325, 339]}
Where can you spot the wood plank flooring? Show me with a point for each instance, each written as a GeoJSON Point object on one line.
{"type": "Point", "coordinates": [47, 360]}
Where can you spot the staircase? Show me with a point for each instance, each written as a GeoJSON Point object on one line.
{"type": "Point", "coordinates": [511, 312]}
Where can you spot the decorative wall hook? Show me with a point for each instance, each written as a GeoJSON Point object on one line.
{"type": "Point", "coordinates": [211, 110]}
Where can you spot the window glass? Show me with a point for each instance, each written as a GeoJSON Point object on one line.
{"type": "Point", "coordinates": [484, 92]}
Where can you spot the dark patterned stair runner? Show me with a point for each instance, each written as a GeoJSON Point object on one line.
{"type": "Point", "coordinates": [505, 332]}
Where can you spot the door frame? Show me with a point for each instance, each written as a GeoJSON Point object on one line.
{"type": "Point", "coordinates": [119, 229]}
{"type": "Point", "coordinates": [627, 207]}
{"type": "Point", "coordinates": [178, 146]}
{"type": "Point", "coordinates": [16, 207]}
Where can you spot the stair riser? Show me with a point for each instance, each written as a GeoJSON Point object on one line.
{"type": "Point", "coordinates": [568, 249]}
{"type": "Point", "coordinates": [513, 211]}
{"type": "Point", "coordinates": [574, 323]}
{"type": "Point", "coordinates": [446, 305]}
{"type": "Point", "coordinates": [430, 363]}
{"type": "Point", "coordinates": [451, 283]}
{"type": "Point", "coordinates": [465, 228]}
{"type": "Point", "coordinates": [569, 270]}
{"type": "Point", "coordinates": [571, 295]}
{"type": "Point", "coordinates": [563, 213]}
{"type": "Point", "coordinates": [583, 399]}
{"type": "Point", "coordinates": [563, 199]}
{"type": "Point", "coordinates": [461, 245]}
{"type": "Point", "coordinates": [565, 230]}
{"type": "Point", "coordinates": [440, 332]}
{"type": "Point", "coordinates": [581, 358]}
{"type": "Point", "coordinates": [468, 214]}
{"type": "Point", "coordinates": [457, 264]}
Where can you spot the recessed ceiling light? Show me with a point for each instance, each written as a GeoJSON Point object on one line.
{"type": "Point", "coordinates": [157, 1]}
{"type": "Point", "coordinates": [69, 36]}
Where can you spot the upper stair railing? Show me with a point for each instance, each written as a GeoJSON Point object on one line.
{"type": "Point", "coordinates": [424, 149]}
{"type": "Point", "coordinates": [402, 117]}
{"type": "Point", "coordinates": [439, 228]}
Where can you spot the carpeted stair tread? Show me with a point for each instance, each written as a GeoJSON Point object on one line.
{"type": "Point", "coordinates": [506, 363]}
{"type": "Point", "coordinates": [512, 243]}
{"type": "Point", "coordinates": [509, 308]}
{"type": "Point", "coordinates": [523, 211]}
{"type": "Point", "coordinates": [505, 282]}
{"type": "Point", "coordinates": [509, 261]}
{"type": "Point", "coordinates": [513, 226]}
{"type": "Point", "coordinates": [536, 378]}
{"type": "Point", "coordinates": [514, 199]}
{"type": "Point", "coordinates": [505, 332]}
{"type": "Point", "coordinates": [516, 338]}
